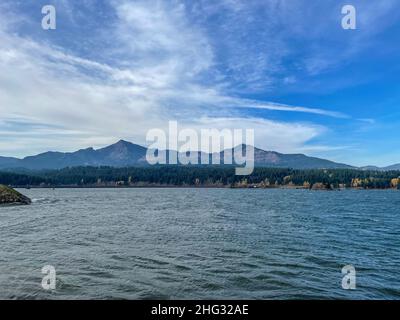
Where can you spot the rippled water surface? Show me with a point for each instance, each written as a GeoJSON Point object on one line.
{"type": "Point", "coordinates": [201, 243]}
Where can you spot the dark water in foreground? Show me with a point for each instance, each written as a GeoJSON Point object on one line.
{"type": "Point", "coordinates": [201, 243]}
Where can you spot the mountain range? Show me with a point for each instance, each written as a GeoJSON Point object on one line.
{"type": "Point", "coordinates": [124, 153]}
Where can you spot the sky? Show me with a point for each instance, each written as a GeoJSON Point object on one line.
{"type": "Point", "coordinates": [286, 68]}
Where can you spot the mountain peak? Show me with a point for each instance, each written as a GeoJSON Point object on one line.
{"type": "Point", "coordinates": [122, 142]}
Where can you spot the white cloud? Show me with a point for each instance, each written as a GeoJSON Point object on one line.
{"type": "Point", "coordinates": [269, 135]}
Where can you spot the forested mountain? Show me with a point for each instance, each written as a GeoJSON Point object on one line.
{"type": "Point", "coordinates": [124, 153]}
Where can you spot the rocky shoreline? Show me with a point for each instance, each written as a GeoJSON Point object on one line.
{"type": "Point", "coordinates": [9, 196]}
{"type": "Point", "coordinates": [313, 187]}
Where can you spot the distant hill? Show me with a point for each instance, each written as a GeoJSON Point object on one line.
{"type": "Point", "coordinates": [6, 162]}
{"type": "Point", "coordinates": [295, 161]}
{"type": "Point", "coordinates": [393, 167]}
{"type": "Point", "coordinates": [120, 154]}
{"type": "Point", "coordinates": [124, 153]}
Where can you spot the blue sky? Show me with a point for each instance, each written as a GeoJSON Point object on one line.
{"type": "Point", "coordinates": [115, 69]}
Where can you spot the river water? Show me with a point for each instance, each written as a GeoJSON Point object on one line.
{"type": "Point", "coordinates": [201, 244]}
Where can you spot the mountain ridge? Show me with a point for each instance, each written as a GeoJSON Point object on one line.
{"type": "Point", "coordinates": [124, 153]}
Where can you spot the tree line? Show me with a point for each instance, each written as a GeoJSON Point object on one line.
{"type": "Point", "coordinates": [201, 176]}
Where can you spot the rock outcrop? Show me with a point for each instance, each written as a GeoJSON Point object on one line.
{"type": "Point", "coordinates": [321, 186]}
{"type": "Point", "coordinates": [10, 196]}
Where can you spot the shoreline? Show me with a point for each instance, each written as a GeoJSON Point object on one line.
{"type": "Point", "coordinates": [195, 187]}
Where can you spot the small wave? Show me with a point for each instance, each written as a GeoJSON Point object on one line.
{"type": "Point", "coordinates": [44, 200]}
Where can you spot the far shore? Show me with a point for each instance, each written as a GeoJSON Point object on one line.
{"type": "Point", "coordinates": [193, 187]}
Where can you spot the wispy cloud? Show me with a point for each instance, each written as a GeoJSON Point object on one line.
{"type": "Point", "coordinates": [282, 107]}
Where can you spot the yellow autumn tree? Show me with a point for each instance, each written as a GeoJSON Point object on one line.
{"type": "Point", "coordinates": [394, 183]}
